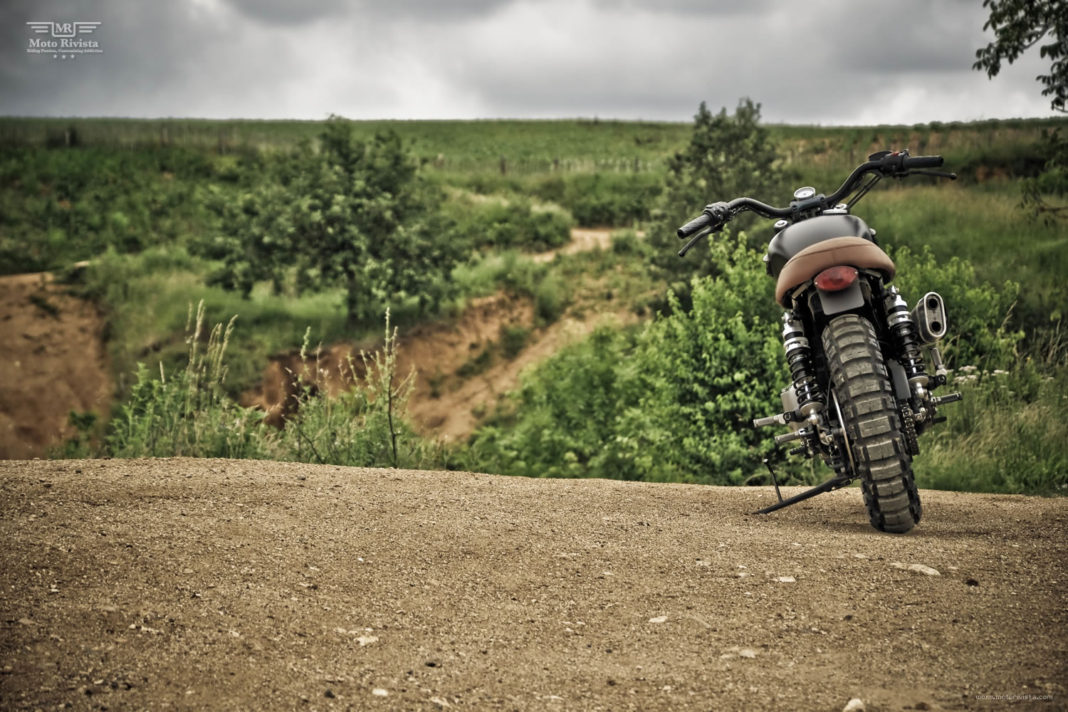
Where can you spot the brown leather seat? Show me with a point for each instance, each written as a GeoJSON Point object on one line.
{"type": "Point", "coordinates": [806, 264]}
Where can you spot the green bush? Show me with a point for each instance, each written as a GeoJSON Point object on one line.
{"type": "Point", "coordinates": [979, 314]}
{"type": "Point", "coordinates": [355, 215]}
{"type": "Point", "coordinates": [671, 402]}
{"type": "Point", "coordinates": [615, 199]}
{"type": "Point", "coordinates": [189, 413]}
{"type": "Point", "coordinates": [728, 156]}
{"type": "Point", "coordinates": [508, 223]}
{"type": "Point", "coordinates": [62, 205]}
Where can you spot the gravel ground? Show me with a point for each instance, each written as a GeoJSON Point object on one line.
{"type": "Point", "coordinates": [191, 584]}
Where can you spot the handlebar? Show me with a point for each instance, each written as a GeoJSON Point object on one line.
{"type": "Point", "coordinates": [896, 164]}
{"type": "Point", "coordinates": [924, 162]}
{"type": "Point", "coordinates": [695, 225]}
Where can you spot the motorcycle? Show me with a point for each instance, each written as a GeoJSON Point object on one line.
{"type": "Point", "coordinates": [861, 392]}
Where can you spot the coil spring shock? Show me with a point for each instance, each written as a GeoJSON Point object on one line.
{"type": "Point", "coordinates": [810, 398]}
{"type": "Point", "coordinates": [907, 341]}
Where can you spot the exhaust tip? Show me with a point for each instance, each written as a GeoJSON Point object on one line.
{"type": "Point", "coordinates": [929, 315]}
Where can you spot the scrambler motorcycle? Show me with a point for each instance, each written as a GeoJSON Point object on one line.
{"type": "Point", "coordinates": [861, 391]}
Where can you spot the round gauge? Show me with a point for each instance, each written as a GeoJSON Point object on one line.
{"type": "Point", "coordinates": [804, 193]}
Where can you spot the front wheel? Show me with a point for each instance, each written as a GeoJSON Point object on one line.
{"type": "Point", "coordinates": [872, 423]}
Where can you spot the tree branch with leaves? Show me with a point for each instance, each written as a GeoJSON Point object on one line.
{"type": "Point", "coordinates": [1018, 26]}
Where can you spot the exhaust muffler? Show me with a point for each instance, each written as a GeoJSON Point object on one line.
{"type": "Point", "coordinates": [929, 316]}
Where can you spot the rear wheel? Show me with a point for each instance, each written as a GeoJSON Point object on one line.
{"type": "Point", "coordinates": [872, 423]}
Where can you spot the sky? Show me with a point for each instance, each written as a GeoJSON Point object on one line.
{"type": "Point", "coordinates": [826, 62]}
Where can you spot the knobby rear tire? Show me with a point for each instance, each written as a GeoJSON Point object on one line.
{"type": "Point", "coordinates": [869, 409]}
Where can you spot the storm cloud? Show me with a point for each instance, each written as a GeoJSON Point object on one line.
{"type": "Point", "coordinates": [823, 61]}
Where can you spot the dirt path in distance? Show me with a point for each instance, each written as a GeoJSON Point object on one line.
{"type": "Point", "coordinates": [241, 584]}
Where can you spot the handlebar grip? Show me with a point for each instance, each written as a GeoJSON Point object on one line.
{"type": "Point", "coordinates": [923, 162]}
{"type": "Point", "coordinates": [698, 223]}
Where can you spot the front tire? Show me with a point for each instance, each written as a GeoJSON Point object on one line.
{"type": "Point", "coordinates": [880, 452]}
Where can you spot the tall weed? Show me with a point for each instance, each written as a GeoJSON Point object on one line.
{"type": "Point", "coordinates": [365, 424]}
{"type": "Point", "coordinates": [188, 414]}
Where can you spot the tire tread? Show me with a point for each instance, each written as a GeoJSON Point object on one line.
{"type": "Point", "coordinates": [873, 423]}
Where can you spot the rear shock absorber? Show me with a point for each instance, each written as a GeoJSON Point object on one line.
{"type": "Point", "coordinates": [810, 398]}
{"type": "Point", "coordinates": [907, 341]}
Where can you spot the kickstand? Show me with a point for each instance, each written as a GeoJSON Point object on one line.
{"type": "Point", "coordinates": [831, 484]}
{"type": "Point", "coordinates": [774, 480]}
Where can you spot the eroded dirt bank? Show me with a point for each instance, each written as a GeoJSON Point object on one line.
{"type": "Point", "coordinates": [54, 360]}
{"type": "Point", "coordinates": [241, 584]}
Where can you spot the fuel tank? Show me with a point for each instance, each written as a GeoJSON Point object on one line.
{"type": "Point", "coordinates": [794, 238]}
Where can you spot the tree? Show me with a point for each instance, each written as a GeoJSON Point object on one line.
{"type": "Point", "coordinates": [353, 214]}
{"type": "Point", "coordinates": [727, 156]}
{"type": "Point", "coordinates": [1019, 25]}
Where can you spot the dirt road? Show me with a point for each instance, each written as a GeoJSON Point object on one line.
{"type": "Point", "coordinates": [239, 584]}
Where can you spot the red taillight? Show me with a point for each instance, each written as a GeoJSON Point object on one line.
{"type": "Point", "coordinates": [835, 279]}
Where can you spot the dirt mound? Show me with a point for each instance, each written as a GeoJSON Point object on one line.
{"type": "Point", "coordinates": [54, 362]}
{"type": "Point", "coordinates": [462, 365]}
{"type": "Point", "coordinates": [240, 584]}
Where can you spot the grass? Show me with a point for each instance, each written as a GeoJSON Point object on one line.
{"type": "Point", "coordinates": [1009, 434]}
{"type": "Point", "coordinates": [147, 298]}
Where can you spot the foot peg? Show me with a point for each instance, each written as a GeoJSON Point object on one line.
{"type": "Point", "coordinates": [790, 436]}
{"type": "Point", "coordinates": [947, 398]}
{"type": "Point", "coordinates": [770, 420]}
{"type": "Point", "coordinates": [790, 416]}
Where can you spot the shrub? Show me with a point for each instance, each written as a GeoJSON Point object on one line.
{"type": "Point", "coordinates": [513, 223]}
{"type": "Point", "coordinates": [189, 414]}
{"type": "Point", "coordinates": [594, 199]}
{"type": "Point", "coordinates": [728, 156]}
{"type": "Point", "coordinates": [979, 313]}
{"type": "Point", "coordinates": [674, 401]}
{"type": "Point", "coordinates": [670, 402]}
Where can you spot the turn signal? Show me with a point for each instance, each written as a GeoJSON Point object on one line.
{"type": "Point", "coordinates": [835, 279]}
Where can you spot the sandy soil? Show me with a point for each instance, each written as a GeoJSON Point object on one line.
{"type": "Point", "coordinates": [54, 359]}
{"type": "Point", "coordinates": [236, 585]}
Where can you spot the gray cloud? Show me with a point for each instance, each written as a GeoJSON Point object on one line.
{"type": "Point", "coordinates": [288, 12]}
{"type": "Point", "coordinates": [828, 61]}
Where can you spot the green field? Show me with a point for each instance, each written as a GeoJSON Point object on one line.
{"type": "Point", "coordinates": [545, 146]}
{"type": "Point", "coordinates": [140, 199]}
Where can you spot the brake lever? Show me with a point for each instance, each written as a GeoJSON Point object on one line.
{"type": "Point", "coordinates": [934, 174]}
{"type": "Point", "coordinates": [694, 240]}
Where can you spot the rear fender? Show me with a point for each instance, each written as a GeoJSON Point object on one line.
{"type": "Point", "coordinates": [831, 303]}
